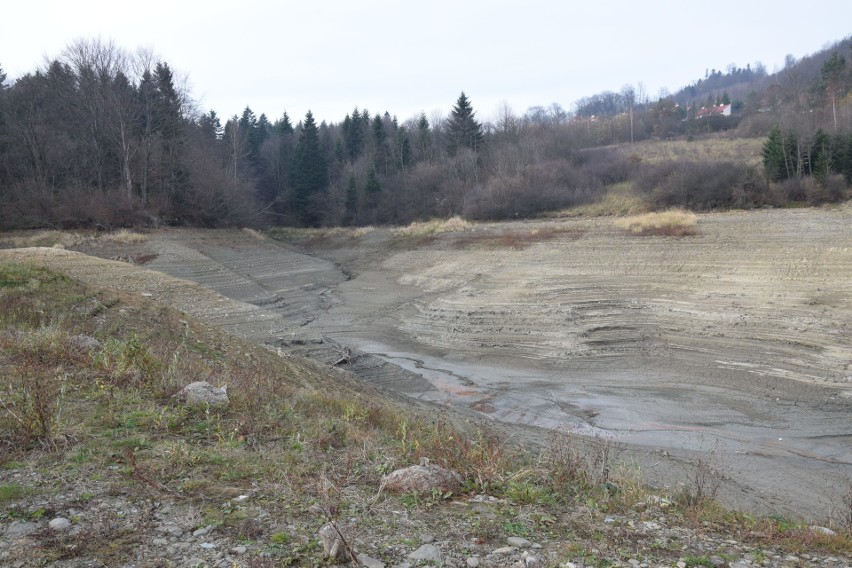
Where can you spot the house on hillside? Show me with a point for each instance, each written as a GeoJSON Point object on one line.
{"type": "Point", "coordinates": [715, 110]}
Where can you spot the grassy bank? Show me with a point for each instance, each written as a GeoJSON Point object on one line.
{"type": "Point", "coordinates": [88, 416]}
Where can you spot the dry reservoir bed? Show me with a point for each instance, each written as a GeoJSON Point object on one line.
{"type": "Point", "coordinates": [733, 344]}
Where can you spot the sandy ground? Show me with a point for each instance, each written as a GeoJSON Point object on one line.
{"type": "Point", "coordinates": [733, 346]}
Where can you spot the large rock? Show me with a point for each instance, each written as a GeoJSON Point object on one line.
{"type": "Point", "coordinates": [59, 524]}
{"type": "Point", "coordinates": [202, 392]}
{"type": "Point", "coordinates": [334, 548]}
{"type": "Point", "coordinates": [427, 553]}
{"type": "Point", "coordinates": [423, 477]}
{"type": "Point", "coordinates": [84, 343]}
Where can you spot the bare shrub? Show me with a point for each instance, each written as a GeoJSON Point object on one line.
{"type": "Point", "coordinates": [701, 186]}
{"type": "Point", "coordinates": [573, 463]}
{"type": "Point", "coordinates": [828, 190]}
{"type": "Point", "coordinates": [606, 165]}
{"type": "Point", "coordinates": [703, 480]}
{"type": "Point", "coordinates": [481, 458]}
{"type": "Point", "coordinates": [536, 188]}
{"type": "Point", "coordinates": [674, 222]}
{"type": "Point", "coordinates": [31, 400]}
{"type": "Point", "coordinates": [788, 191]}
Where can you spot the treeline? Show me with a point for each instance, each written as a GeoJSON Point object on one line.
{"type": "Point", "coordinates": [100, 136]}
{"type": "Point", "coordinates": [103, 136]}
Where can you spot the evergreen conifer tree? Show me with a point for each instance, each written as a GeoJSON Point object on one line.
{"type": "Point", "coordinates": [463, 131]}
{"type": "Point", "coordinates": [309, 172]}
{"type": "Point", "coordinates": [773, 155]}
{"type": "Point", "coordinates": [284, 126]}
{"type": "Point", "coordinates": [821, 162]}
{"type": "Point", "coordinates": [372, 187]}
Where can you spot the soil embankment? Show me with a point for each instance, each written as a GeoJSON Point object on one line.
{"type": "Point", "coordinates": [733, 344]}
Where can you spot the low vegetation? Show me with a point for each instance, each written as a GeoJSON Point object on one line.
{"type": "Point", "coordinates": [433, 227]}
{"type": "Point", "coordinates": [90, 378]}
{"type": "Point", "coordinates": [674, 223]}
{"type": "Point", "coordinates": [68, 239]}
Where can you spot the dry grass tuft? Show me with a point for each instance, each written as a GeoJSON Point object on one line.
{"type": "Point", "coordinates": [433, 227]}
{"type": "Point", "coordinates": [57, 239]}
{"type": "Point", "coordinates": [674, 223]}
{"type": "Point", "coordinates": [362, 231]}
{"type": "Point", "coordinates": [125, 237]}
{"type": "Point", "coordinates": [619, 201]}
{"type": "Point", "coordinates": [253, 234]}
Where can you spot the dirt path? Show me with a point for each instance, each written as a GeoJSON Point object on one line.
{"type": "Point", "coordinates": [732, 345]}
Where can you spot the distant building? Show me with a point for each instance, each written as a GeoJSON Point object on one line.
{"type": "Point", "coordinates": [717, 110]}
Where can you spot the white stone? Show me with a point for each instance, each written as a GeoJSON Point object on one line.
{"type": "Point", "coordinates": [60, 524]}
{"type": "Point", "coordinates": [823, 530]}
{"type": "Point", "coordinates": [202, 392]}
{"type": "Point", "coordinates": [427, 553]}
{"type": "Point", "coordinates": [518, 542]}
{"type": "Point", "coordinates": [369, 562]}
{"type": "Point", "coordinates": [425, 477]}
{"type": "Point", "coordinates": [504, 551]}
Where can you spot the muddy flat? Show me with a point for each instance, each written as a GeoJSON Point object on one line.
{"type": "Point", "coordinates": [733, 345]}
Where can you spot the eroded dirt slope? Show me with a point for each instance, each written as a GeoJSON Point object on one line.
{"type": "Point", "coordinates": [733, 342]}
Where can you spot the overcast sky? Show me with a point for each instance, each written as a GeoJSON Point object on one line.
{"type": "Point", "coordinates": [407, 57]}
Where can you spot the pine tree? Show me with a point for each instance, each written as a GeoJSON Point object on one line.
{"type": "Point", "coordinates": [773, 155]}
{"type": "Point", "coordinates": [168, 110]}
{"type": "Point", "coordinates": [372, 187]}
{"type": "Point", "coordinates": [284, 126]}
{"type": "Point", "coordinates": [210, 126]}
{"type": "Point", "coordinates": [821, 161]}
{"type": "Point", "coordinates": [463, 131]}
{"type": "Point", "coordinates": [352, 134]}
{"type": "Point", "coordinates": [254, 134]}
{"type": "Point", "coordinates": [424, 138]}
{"type": "Point", "coordinates": [309, 172]}
{"type": "Point", "coordinates": [378, 130]}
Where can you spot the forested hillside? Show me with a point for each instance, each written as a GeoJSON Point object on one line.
{"type": "Point", "coordinates": [103, 136]}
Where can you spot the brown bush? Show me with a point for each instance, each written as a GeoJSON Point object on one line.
{"type": "Point", "coordinates": [702, 186]}
{"type": "Point", "coordinates": [537, 188]}
{"type": "Point", "coordinates": [828, 190]}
